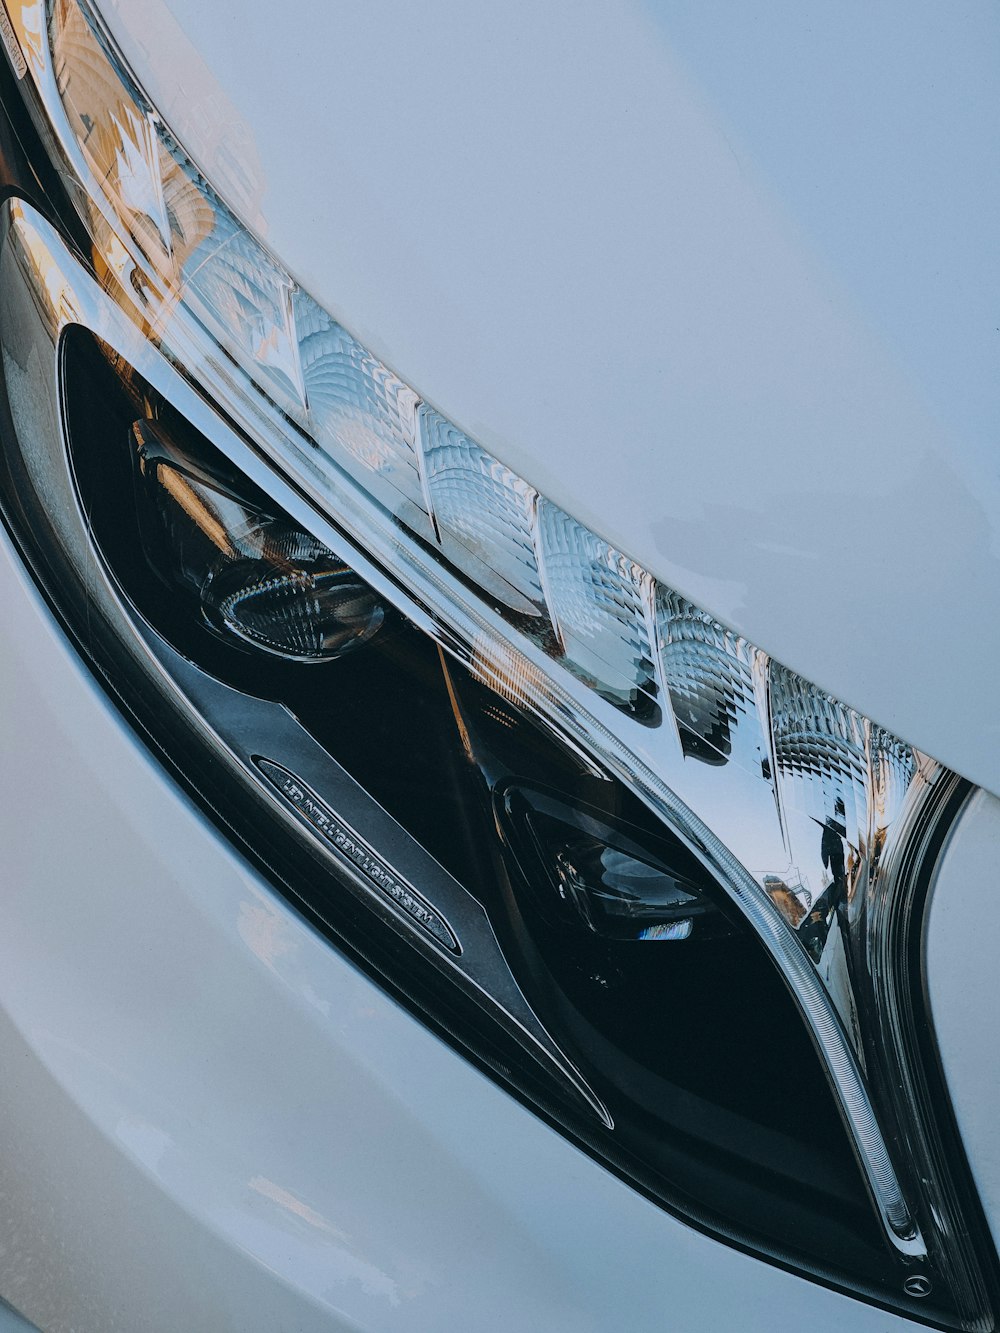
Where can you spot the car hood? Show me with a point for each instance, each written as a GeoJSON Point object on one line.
{"type": "Point", "coordinates": [724, 286]}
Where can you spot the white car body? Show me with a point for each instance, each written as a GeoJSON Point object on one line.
{"type": "Point", "coordinates": [724, 286]}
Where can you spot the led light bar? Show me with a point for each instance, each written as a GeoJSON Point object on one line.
{"type": "Point", "coordinates": [798, 804]}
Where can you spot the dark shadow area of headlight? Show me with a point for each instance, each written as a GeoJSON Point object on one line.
{"type": "Point", "coordinates": [721, 1106]}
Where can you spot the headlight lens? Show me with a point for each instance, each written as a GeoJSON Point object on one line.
{"type": "Point", "coordinates": [667, 806]}
{"type": "Point", "coordinates": [257, 578]}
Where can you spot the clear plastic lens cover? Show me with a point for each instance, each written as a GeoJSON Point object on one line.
{"type": "Point", "coordinates": [806, 814]}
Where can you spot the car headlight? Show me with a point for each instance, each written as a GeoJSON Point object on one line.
{"type": "Point", "coordinates": [664, 888]}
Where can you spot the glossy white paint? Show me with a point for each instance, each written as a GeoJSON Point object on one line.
{"type": "Point", "coordinates": [721, 281]}
{"type": "Point", "coordinates": [12, 1322]}
{"type": "Point", "coordinates": [211, 1121]}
